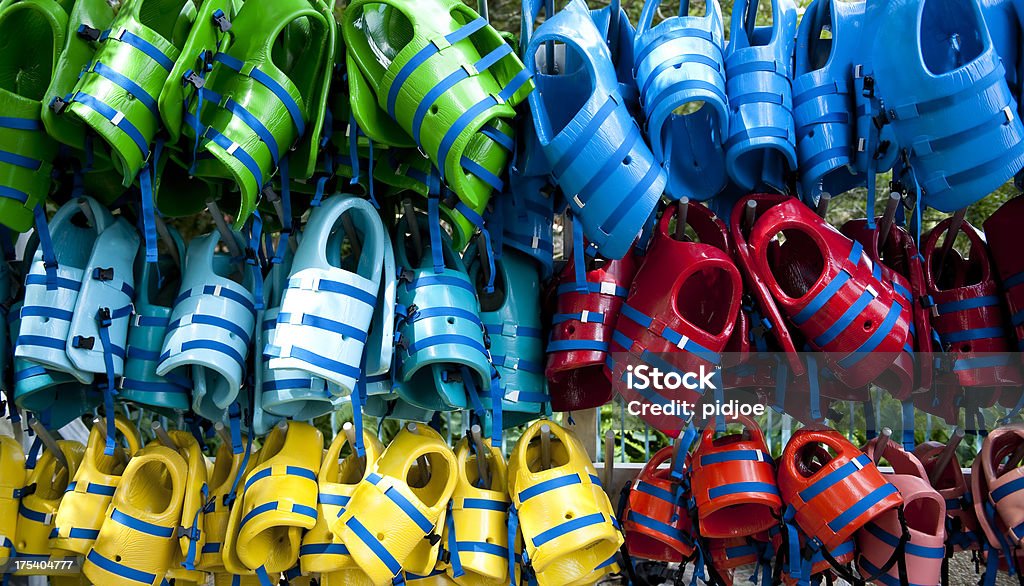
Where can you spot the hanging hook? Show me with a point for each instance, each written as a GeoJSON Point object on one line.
{"type": "Point", "coordinates": [353, 236]}
{"type": "Point", "coordinates": [225, 232]}
{"type": "Point", "coordinates": [823, 200]}
{"type": "Point", "coordinates": [749, 213]}
{"type": "Point", "coordinates": [165, 235]}
{"type": "Point", "coordinates": [609, 458]}
{"type": "Point", "coordinates": [477, 437]}
{"type": "Point", "coordinates": [950, 238]}
{"type": "Point", "coordinates": [885, 226]}
{"type": "Point", "coordinates": [682, 210]}
{"type": "Point", "coordinates": [163, 436]}
{"type": "Point", "coordinates": [545, 446]}
{"type": "Point", "coordinates": [881, 444]}
{"type": "Point", "coordinates": [51, 444]}
{"type": "Point", "coordinates": [946, 455]}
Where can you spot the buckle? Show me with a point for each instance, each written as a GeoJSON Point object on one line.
{"type": "Point", "coordinates": [88, 33]}
{"type": "Point", "coordinates": [869, 85]}
{"type": "Point", "coordinates": [434, 538]}
{"type": "Point", "coordinates": [406, 276]}
{"type": "Point", "coordinates": [221, 20]}
{"type": "Point", "coordinates": [58, 105]}
{"type": "Point", "coordinates": [83, 342]}
{"type": "Point", "coordinates": [883, 148]}
{"type": "Point", "coordinates": [197, 81]}
{"type": "Point", "coordinates": [881, 119]}
{"type": "Point", "coordinates": [103, 316]}
{"type": "Point", "coordinates": [101, 274]}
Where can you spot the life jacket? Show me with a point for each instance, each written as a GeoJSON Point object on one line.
{"type": "Point", "coordinates": [833, 495]}
{"type": "Point", "coordinates": [27, 151]}
{"type": "Point", "coordinates": [511, 318]}
{"type": "Point", "coordinates": [925, 523]}
{"type": "Point", "coordinates": [969, 316]}
{"type": "Point", "coordinates": [117, 94]}
{"type": "Point", "coordinates": [74, 58]}
{"type": "Point", "coordinates": [327, 309]}
{"type": "Point", "coordinates": [321, 550]}
{"type": "Point", "coordinates": [196, 502]}
{"type": "Point", "coordinates": [453, 98]}
{"type": "Point", "coordinates": [569, 530]}
{"type": "Point", "coordinates": [733, 482]}
{"type": "Point", "coordinates": [812, 563]}
{"type": "Point", "coordinates": [682, 324]}
{"type": "Point", "coordinates": [41, 496]}
{"type": "Point", "coordinates": [211, 326]}
{"type": "Point", "coordinates": [761, 147]}
{"type": "Point", "coordinates": [997, 492]}
{"type": "Point", "coordinates": [278, 500]}
{"type": "Point", "coordinates": [138, 539]}
{"type": "Point", "coordinates": [157, 284]}
{"type": "Point", "coordinates": [434, 578]}
{"type": "Point", "coordinates": [254, 107]}
{"type": "Point", "coordinates": [949, 102]}
{"type": "Point", "coordinates": [962, 529]}
{"type": "Point", "coordinates": [681, 61]}
{"type": "Point", "coordinates": [226, 467]}
{"type": "Point", "coordinates": [12, 483]}
{"type": "Point", "coordinates": [232, 500]}
{"type": "Point", "coordinates": [902, 269]}
{"type": "Point", "coordinates": [78, 299]}
{"type": "Point", "coordinates": [597, 155]}
{"type": "Point", "coordinates": [824, 105]}
{"type": "Point", "coordinates": [832, 292]}
{"type": "Point", "coordinates": [475, 543]}
{"type": "Point", "coordinates": [1004, 26]}
{"type": "Point", "coordinates": [528, 208]}
{"type": "Point", "coordinates": [1001, 237]}
{"type": "Point", "coordinates": [582, 329]}
{"type": "Point", "coordinates": [390, 526]}
{"type": "Point", "coordinates": [440, 339]}
{"type": "Point", "coordinates": [78, 520]}
{"type": "Point", "coordinates": [655, 521]}
{"type": "Point", "coordinates": [727, 554]}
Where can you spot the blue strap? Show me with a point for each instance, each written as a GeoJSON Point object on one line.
{"type": "Point", "coordinates": [548, 485]}
{"type": "Point", "coordinates": [421, 56]}
{"type": "Point", "coordinates": [832, 478]}
{"type": "Point", "coordinates": [13, 123]}
{"type": "Point", "coordinates": [297, 471]}
{"type": "Point", "coordinates": [46, 245]}
{"type": "Point", "coordinates": [375, 546]}
{"type": "Point", "coordinates": [104, 319]}
{"type": "Point", "coordinates": [256, 126]}
{"type": "Point", "coordinates": [453, 546]}
{"type": "Point", "coordinates": [128, 85]}
{"type": "Point", "coordinates": [578, 259]}
{"type": "Point", "coordinates": [286, 212]}
{"type": "Point", "coordinates": [742, 487]}
{"type": "Point", "coordinates": [736, 456]}
{"type": "Point", "coordinates": [659, 526]}
{"type": "Point", "coordinates": [576, 345]}
{"type": "Point", "coordinates": [434, 225]}
{"type": "Point", "coordinates": [875, 339]}
{"type": "Point", "coordinates": [120, 569]}
{"type": "Point", "coordinates": [793, 541]}
{"type": "Point", "coordinates": [846, 517]}
{"type": "Point", "coordinates": [822, 298]}
{"type": "Point", "coordinates": [141, 526]}
{"type": "Point", "coordinates": [567, 527]}
{"type": "Point", "coordinates": [146, 175]}
{"type": "Point", "coordinates": [20, 161]}
{"type": "Point", "coordinates": [210, 320]}
{"type": "Point", "coordinates": [908, 425]}
{"type": "Point", "coordinates": [965, 304]}
{"type": "Point", "coordinates": [268, 82]}
{"type": "Point", "coordinates": [113, 115]}
{"type": "Point", "coordinates": [129, 38]}
{"type": "Point", "coordinates": [234, 149]}
{"type": "Point", "coordinates": [404, 504]}
{"type": "Point", "coordinates": [13, 194]}
{"type": "Point", "coordinates": [33, 515]}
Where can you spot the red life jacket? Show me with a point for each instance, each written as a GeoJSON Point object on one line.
{"type": "Point", "coordinates": [901, 267]}
{"type": "Point", "coordinates": [581, 331]}
{"type": "Point", "coordinates": [834, 491]}
{"type": "Point", "coordinates": [655, 522]}
{"type": "Point", "coordinates": [969, 316]}
{"type": "Point", "coordinates": [684, 302]}
{"type": "Point", "coordinates": [832, 292]}
{"type": "Point", "coordinates": [1004, 243]}
{"type": "Point", "coordinates": [733, 482]}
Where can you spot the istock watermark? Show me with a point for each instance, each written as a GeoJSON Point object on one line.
{"type": "Point", "coordinates": [644, 377]}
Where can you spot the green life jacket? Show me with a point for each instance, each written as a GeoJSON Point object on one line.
{"type": "Point", "coordinates": [33, 34]}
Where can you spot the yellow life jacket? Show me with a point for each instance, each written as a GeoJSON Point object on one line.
{"type": "Point", "coordinates": [138, 540]}
{"type": "Point", "coordinates": [569, 528]}
{"type": "Point", "coordinates": [12, 481]}
{"type": "Point", "coordinates": [476, 533]}
{"type": "Point", "coordinates": [44, 489]}
{"type": "Point", "coordinates": [229, 552]}
{"type": "Point", "coordinates": [279, 498]}
{"type": "Point", "coordinates": [390, 525]}
{"type": "Point", "coordinates": [221, 579]}
{"type": "Point", "coordinates": [81, 511]}
{"type": "Point", "coordinates": [191, 536]}
{"type": "Point", "coordinates": [215, 521]}
{"type": "Point", "coordinates": [321, 551]}
{"type": "Point", "coordinates": [435, 578]}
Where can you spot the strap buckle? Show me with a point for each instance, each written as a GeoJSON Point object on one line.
{"type": "Point", "coordinates": [104, 317]}
{"type": "Point", "coordinates": [221, 20]}
{"type": "Point", "coordinates": [88, 33]}
{"type": "Point", "coordinates": [83, 342]}
{"type": "Point", "coordinates": [197, 81]}
{"type": "Point", "coordinates": [58, 105]}
{"type": "Point", "coordinates": [103, 274]}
